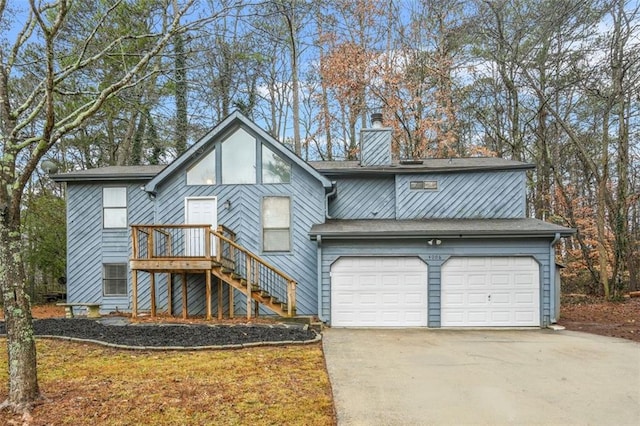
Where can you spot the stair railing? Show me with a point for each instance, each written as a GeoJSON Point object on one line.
{"type": "Point", "coordinates": [259, 274]}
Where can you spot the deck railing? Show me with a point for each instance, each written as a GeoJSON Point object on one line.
{"type": "Point", "coordinates": [170, 242]}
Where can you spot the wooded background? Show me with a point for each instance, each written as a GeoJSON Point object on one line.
{"type": "Point", "coordinates": [554, 83]}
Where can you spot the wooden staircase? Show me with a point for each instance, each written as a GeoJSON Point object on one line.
{"type": "Point", "coordinates": [186, 249]}
{"type": "Point", "coordinates": [252, 276]}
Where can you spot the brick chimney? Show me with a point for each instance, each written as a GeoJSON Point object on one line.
{"type": "Point", "coordinates": [375, 143]}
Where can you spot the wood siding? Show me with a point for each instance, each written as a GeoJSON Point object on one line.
{"type": "Point", "coordinates": [364, 198]}
{"type": "Point", "coordinates": [435, 257]}
{"type": "Point", "coordinates": [244, 218]}
{"type": "Point", "coordinates": [89, 245]}
{"type": "Point", "coordinates": [478, 195]}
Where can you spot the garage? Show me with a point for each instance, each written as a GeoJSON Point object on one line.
{"type": "Point", "coordinates": [379, 292]}
{"type": "Point", "coordinates": [490, 292]}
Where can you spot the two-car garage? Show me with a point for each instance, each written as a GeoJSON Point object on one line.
{"type": "Point", "coordinates": [392, 291]}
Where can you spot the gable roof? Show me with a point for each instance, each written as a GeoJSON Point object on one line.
{"type": "Point", "coordinates": [427, 165]}
{"type": "Point", "coordinates": [235, 119]}
{"type": "Point", "coordinates": [444, 228]}
{"type": "Point", "coordinates": [111, 173]}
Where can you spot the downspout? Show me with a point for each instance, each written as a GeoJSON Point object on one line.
{"type": "Point", "coordinates": [319, 272]}
{"type": "Point", "coordinates": [554, 300]}
{"type": "Point", "coordinates": [333, 192]}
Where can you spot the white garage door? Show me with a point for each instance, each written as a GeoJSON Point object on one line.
{"type": "Point", "coordinates": [379, 292]}
{"type": "Point", "coordinates": [490, 292]}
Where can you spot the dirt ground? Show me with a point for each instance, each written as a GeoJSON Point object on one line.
{"type": "Point", "coordinates": [579, 313]}
{"type": "Point", "coordinates": [615, 319]}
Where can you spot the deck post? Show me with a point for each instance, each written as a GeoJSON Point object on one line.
{"type": "Point", "coordinates": [152, 282]}
{"type": "Point", "coordinates": [231, 304]}
{"type": "Point", "coordinates": [207, 242]}
{"type": "Point", "coordinates": [219, 299]}
{"type": "Point", "coordinates": [169, 294]}
{"type": "Point", "coordinates": [134, 293]}
{"type": "Point", "coordinates": [249, 288]}
{"type": "Point", "coordinates": [208, 292]}
{"type": "Point", "coordinates": [219, 245]}
{"type": "Point", "coordinates": [291, 298]}
{"type": "Point", "coordinates": [184, 295]}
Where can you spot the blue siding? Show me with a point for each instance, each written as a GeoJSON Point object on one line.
{"type": "Point", "coordinates": [478, 195]}
{"type": "Point", "coordinates": [84, 243]}
{"type": "Point", "coordinates": [89, 245]}
{"type": "Point", "coordinates": [364, 198]}
{"type": "Point", "coordinates": [435, 257]}
{"type": "Point", "coordinates": [244, 218]}
{"type": "Point", "coordinates": [375, 148]}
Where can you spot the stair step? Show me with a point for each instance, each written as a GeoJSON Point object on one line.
{"type": "Point", "coordinates": [226, 270]}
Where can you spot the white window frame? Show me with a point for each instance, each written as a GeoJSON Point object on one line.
{"type": "Point", "coordinates": [112, 207]}
{"type": "Point", "coordinates": [266, 228]}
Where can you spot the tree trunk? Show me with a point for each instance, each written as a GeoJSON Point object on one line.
{"type": "Point", "coordinates": [21, 345]}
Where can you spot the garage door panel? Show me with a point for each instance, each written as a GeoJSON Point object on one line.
{"type": "Point", "coordinates": [476, 280]}
{"type": "Point", "coordinates": [390, 299]}
{"type": "Point", "coordinates": [501, 298]}
{"type": "Point", "coordinates": [524, 298]}
{"type": "Point", "coordinates": [474, 299]}
{"type": "Point", "coordinates": [501, 280]}
{"type": "Point", "coordinates": [490, 291]}
{"type": "Point", "coordinates": [477, 317]}
{"type": "Point", "coordinates": [387, 292]}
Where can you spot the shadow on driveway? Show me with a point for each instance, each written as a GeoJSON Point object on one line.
{"type": "Point", "coordinates": [442, 377]}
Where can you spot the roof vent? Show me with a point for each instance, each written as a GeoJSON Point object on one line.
{"type": "Point", "coordinates": [409, 161]}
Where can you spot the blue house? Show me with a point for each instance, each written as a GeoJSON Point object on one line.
{"type": "Point", "coordinates": [238, 224]}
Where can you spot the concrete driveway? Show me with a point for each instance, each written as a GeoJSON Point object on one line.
{"type": "Point", "coordinates": [452, 377]}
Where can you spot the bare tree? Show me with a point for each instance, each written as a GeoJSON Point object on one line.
{"type": "Point", "coordinates": [43, 99]}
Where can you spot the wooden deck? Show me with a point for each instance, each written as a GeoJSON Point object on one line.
{"type": "Point", "coordinates": [193, 249]}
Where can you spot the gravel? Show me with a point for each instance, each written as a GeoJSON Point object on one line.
{"type": "Point", "coordinates": [170, 335]}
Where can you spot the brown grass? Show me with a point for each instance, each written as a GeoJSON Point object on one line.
{"type": "Point", "coordinates": [91, 384]}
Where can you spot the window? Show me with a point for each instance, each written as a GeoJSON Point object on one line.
{"type": "Point", "coordinates": [114, 279]}
{"type": "Point", "coordinates": [239, 158]}
{"type": "Point", "coordinates": [204, 171]}
{"type": "Point", "coordinates": [114, 206]}
{"type": "Point", "coordinates": [274, 168]}
{"type": "Point", "coordinates": [276, 220]}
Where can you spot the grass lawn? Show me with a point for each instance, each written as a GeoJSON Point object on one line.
{"type": "Point", "coordinates": [91, 384]}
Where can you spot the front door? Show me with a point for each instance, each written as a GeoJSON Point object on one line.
{"type": "Point", "coordinates": [199, 211]}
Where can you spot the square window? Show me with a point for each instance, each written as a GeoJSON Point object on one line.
{"type": "Point", "coordinates": [114, 279]}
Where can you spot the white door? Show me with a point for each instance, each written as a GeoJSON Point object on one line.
{"type": "Point", "coordinates": [199, 211]}
{"type": "Point", "coordinates": [379, 292]}
{"type": "Point", "coordinates": [490, 292]}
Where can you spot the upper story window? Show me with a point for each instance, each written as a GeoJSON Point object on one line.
{"type": "Point", "coordinates": [239, 158]}
{"type": "Point", "coordinates": [204, 171]}
{"type": "Point", "coordinates": [274, 168]}
{"type": "Point", "coordinates": [276, 224]}
{"type": "Point", "coordinates": [114, 207]}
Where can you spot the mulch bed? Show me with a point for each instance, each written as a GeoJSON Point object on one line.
{"type": "Point", "coordinates": [169, 335]}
